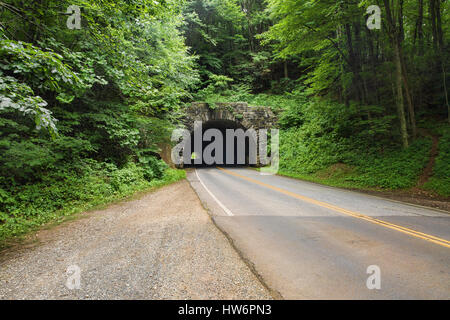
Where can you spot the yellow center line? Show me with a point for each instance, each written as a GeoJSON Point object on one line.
{"type": "Point", "coordinates": [414, 233]}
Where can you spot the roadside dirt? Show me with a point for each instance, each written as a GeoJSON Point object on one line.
{"type": "Point", "coordinates": [162, 246]}
{"type": "Point", "coordinates": [428, 171]}
{"type": "Point", "coordinates": [414, 196]}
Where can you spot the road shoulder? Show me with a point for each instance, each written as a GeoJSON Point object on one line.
{"type": "Point", "coordinates": [161, 246]}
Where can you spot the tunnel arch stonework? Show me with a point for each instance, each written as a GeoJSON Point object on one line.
{"type": "Point", "coordinates": [249, 117]}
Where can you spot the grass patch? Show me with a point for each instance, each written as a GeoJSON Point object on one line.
{"type": "Point", "coordinates": [396, 169]}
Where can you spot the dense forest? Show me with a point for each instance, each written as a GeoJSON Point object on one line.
{"type": "Point", "coordinates": [85, 110]}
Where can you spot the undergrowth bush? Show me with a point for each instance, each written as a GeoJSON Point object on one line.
{"type": "Point", "coordinates": [392, 169]}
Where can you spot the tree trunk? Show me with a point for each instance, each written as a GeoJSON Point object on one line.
{"type": "Point", "coordinates": [286, 72]}
{"type": "Point", "coordinates": [395, 35]}
{"type": "Point", "coordinates": [400, 99]}
{"type": "Point", "coordinates": [412, 114]}
{"type": "Point", "coordinates": [419, 48]}
{"type": "Point", "coordinates": [353, 63]}
{"type": "Point", "coordinates": [419, 28]}
{"type": "Point", "coordinates": [445, 91]}
{"type": "Point", "coordinates": [440, 37]}
{"type": "Point", "coordinates": [432, 10]}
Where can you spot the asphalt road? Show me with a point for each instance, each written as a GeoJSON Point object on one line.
{"type": "Point", "coordinates": [308, 241]}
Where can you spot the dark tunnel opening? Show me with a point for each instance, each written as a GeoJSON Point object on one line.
{"type": "Point", "coordinates": [232, 155]}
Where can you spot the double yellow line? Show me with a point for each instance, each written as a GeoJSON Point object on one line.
{"type": "Point", "coordinates": [386, 224]}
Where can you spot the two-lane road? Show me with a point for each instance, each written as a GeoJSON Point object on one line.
{"type": "Point", "coordinates": [309, 241]}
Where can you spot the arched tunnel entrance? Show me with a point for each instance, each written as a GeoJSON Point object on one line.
{"type": "Point", "coordinates": [222, 143]}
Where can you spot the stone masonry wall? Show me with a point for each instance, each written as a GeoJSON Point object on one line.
{"type": "Point", "coordinates": [247, 116]}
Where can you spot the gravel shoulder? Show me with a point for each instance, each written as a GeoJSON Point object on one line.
{"type": "Point", "coordinates": [161, 246]}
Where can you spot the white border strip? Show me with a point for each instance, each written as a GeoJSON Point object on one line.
{"type": "Point", "coordinates": [227, 211]}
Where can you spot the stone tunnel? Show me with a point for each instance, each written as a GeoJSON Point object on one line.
{"type": "Point", "coordinates": [241, 113]}
{"type": "Point", "coordinates": [223, 116]}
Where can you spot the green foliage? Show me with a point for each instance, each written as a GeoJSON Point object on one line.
{"type": "Point", "coordinates": [26, 67]}
{"type": "Point", "coordinates": [341, 59]}
{"type": "Point", "coordinates": [223, 34]}
{"type": "Point", "coordinates": [108, 94]}
{"type": "Point", "coordinates": [15, 96]}
{"type": "Point", "coordinates": [153, 168]}
{"type": "Point", "coordinates": [325, 134]}
{"type": "Point", "coordinates": [392, 169]}
{"type": "Point", "coordinates": [215, 86]}
{"type": "Point", "coordinates": [41, 69]}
